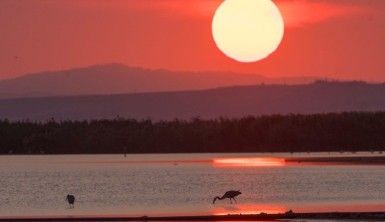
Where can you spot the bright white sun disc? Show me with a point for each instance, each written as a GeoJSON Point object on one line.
{"type": "Point", "coordinates": [247, 30]}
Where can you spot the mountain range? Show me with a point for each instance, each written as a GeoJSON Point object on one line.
{"type": "Point", "coordinates": [236, 101]}
{"type": "Point", "coordinates": [116, 78]}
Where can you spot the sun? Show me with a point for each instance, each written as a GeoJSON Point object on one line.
{"type": "Point", "coordinates": [247, 30]}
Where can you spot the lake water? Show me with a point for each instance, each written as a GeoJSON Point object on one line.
{"type": "Point", "coordinates": [184, 184]}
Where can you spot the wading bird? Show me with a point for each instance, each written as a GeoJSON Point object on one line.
{"type": "Point", "coordinates": [71, 200]}
{"type": "Point", "coordinates": [229, 194]}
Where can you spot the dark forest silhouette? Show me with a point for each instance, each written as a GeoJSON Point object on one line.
{"type": "Point", "coordinates": [355, 131]}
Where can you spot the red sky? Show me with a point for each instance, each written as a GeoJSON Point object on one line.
{"type": "Point", "coordinates": [328, 38]}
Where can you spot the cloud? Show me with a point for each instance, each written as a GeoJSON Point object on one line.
{"type": "Point", "coordinates": [296, 13]}
{"type": "Point", "coordinates": [189, 8]}
{"type": "Point", "coordinates": [299, 13]}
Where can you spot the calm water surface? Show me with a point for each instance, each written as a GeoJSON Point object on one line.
{"type": "Point", "coordinates": [184, 184]}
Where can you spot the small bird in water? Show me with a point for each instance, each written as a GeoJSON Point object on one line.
{"type": "Point", "coordinates": [71, 200]}
{"type": "Point", "coordinates": [229, 194]}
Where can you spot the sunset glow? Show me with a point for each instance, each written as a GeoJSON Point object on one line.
{"type": "Point", "coordinates": [191, 110]}
{"type": "Point", "coordinates": [247, 30]}
{"type": "Point", "coordinates": [249, 162]}
{"type": "Point", "coordinates": [325, 38]}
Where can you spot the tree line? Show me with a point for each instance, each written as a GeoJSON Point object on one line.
{"type": "Point", "coordinates": [353, 131]}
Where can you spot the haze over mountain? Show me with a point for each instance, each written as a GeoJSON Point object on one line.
{"type": "Point", "coordinates": [117, 78]}
{"type": "Point", "coordinates": [318, 97]}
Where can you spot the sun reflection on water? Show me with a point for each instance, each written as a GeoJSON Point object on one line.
{"type": "Point", "coordinates": [247, 209]}
{"type": "Point", "coordinates": [249, 162]}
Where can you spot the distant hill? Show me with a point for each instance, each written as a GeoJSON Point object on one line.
{"type": "Point", "coordinates": [318, 97]}
{"type": "Point", "coordinates": [117, 78]}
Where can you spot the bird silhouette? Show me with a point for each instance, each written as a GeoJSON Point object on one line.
{"type": "Point", "coordinates": [229, 194]}
{"type": "Point", "coordinates": [71, 200]}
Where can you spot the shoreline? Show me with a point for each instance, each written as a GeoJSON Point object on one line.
{"type": "Point", "coordinates": [378, 216]}
{"type": "Point", "coordinates": [338, 160]}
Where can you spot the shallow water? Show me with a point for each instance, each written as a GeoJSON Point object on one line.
{"type": "Point", "coordinates": [184, 184]}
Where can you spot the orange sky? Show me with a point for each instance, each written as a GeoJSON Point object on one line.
{"type": "Point", "coordinates": [329, 38]}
